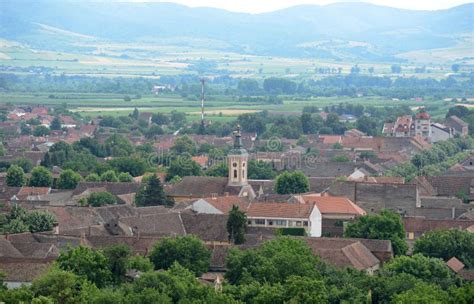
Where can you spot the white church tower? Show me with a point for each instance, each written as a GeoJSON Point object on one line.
{"type": "Point", "coordinates": [237, 162]}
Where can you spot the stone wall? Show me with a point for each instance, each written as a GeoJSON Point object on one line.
{"type": "Point", "coordinates": [373, 197]}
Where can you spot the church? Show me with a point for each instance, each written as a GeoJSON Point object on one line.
{"type": "Point", "coordinates": [236, 184]}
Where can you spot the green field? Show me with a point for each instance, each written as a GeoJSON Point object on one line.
{"type": "Point", "coordinates": [220, 109]}
{"type": "Point", "coordinates": [146, 60]}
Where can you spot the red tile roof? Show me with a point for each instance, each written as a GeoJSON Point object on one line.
{"type": "Point", "coordinates": [423, 115]}
{"type": "Point", "coordinates": [330, 139]}
{"type": "Point", "coordinates": [225, 203]}
{"type": "Point", "coordinates": [280, 210]}
{"type": "Point", "coordinates": [27, 191]}
{"type": "Point", "coordinates": [454, 264]}
{"type": "Point", "coordinates": [201, 160]}
{"type": "Point", "coordinates": [334, 204]}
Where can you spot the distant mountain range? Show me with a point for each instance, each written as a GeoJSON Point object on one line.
{"type": "Point", "coordinates": [357, 30]}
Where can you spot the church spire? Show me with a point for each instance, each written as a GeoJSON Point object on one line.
{"type": "Point", "coordinates": [237, 162]}
{"type": "Point", "coordinates": [237, 138]}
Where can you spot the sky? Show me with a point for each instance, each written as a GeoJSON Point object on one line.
{"type": "Point", "coordinates": [259, 6]}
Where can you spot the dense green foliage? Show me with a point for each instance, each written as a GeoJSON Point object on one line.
{"type": "Point", "coordinates": [446, 244]}
{"type": "Point", "coordinates": [87, 263]}
{"type": "Point", "coordinates": [15, 176]}
{"type": "Point", "coordinates": [98, 199]}
{"type": "Point", "coordinates": [188, 251]}
{"type": "Point", "coordinates": [291, 182]}
{"type": "Point", "coordinates": [236, 225]}
{"type": "Point", "coordinates": [68, 179]}
{"type": "Point", "coordinates": [40, 177]}
{"type": "Point", "coordinates": [20, 220]}
{"type": "Point", "coordinates": [384, 226]}
{"type": "Point", "coordinates": [279, 271]}
{"type": "Point", "coordinates": [436, 160]}
{"type": "Point", "coordinates": [152, 193]}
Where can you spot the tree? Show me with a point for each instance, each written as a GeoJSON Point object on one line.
{"type": "Point", "coordinates": [139, 263]}
{"type": "Point", "coordinates": [446, 244]}
{"type": "Point", "coordinates": [459, 111]}
{"type": "Point", "coordinates": [248, 86]}
{"type": "Point", "coordinates": [117, 145]}
{"type": "Point", "coordinates": [183, 166]}
{"type": "Point", "coordinates": [275, 85]}
{"type": "Point", "coordinates": [93, 177]}
{"type": "Point", "coordinates": [24, 163]}
{"type": "Point", "coordinates": [59, 285]}
{"type": "Point", "coordinates": [151, 193]}
{"type": "Point", "coordinates": [125, 177]}
{"type": "Point", "coordinates": [136, 166]}
{"type": "Point", "coordinates": [305, 290]}
{"type": "Point", "coordinates": [56, 124]}
{"type": "Point", "coordinates": [16, 226]}
{"type": "Point", "coordinates": [220, 169]}
{"type": "Point", "coordinates": [236, 225]}
{"type": "Point", "coordinates": [117, 259]}
{"type": "Point", "coordinates": [178, 118]}
{"type": "Point", "coordinates": [109, 176]}
{"type": "Point", "coordinates": [160, 119]}
{"type": "Point", "coordinates": [40, 177]}
{"type": "Point", "coordinates": [396, 69]}
{"type": "Point", "coordinates": [41, 131]}
{"type": "Point", "coordinates": [15, 176]}
{"type": "Point", "coordinates": [273, 262]}
{"type": "Point", "coordinates": [88, 263]}
{"type": "Point", "coordinates": [135, 114]}
{"type": "Point", "coordinates": [68, 179]}
{"type": "Point", "coordinates": [455, 67]}
{"type": "Point", "coordinates": [384, 226]}
{"type": "Point", "coordinates": [422, 293]}
{"type": "Point", "coordinates": [184, 144]}
{"type": "Point", "coordinates": [38, 221]}
{"type": "Point", "coordinates": [291, 183]}
{"type": "Point", "coordinates": [188, 251]}
{"type": "Point", "coordinates": [258, 169]}
{"type": "Point", "coordinates": [98, 199]}
{"type": "Point", "coordinates": [355, 69]}
{"type": "Point", "coordinates": [432, 270]}
{"type": "Point", "coordinates": [367, 125]}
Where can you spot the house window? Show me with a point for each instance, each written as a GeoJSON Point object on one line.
{"type": "Point", "coordinates": [280, 222]}
{"type": "Point", "coordinates": [305, 223]}
{"type": "Point", "coordinates": [249, 222]}
{"type": "Point", "coordinates": [259, 222]}
{"type": "Point", "coordinates": [270, 222]}
{"type": "Point", "coordinates": [298, 223]}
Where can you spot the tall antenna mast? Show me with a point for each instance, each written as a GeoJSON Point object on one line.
{"type": "Point", "coordinates": [202, 100]}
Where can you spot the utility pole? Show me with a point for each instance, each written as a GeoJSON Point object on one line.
{"type": "Point", "coordinates": [202, 99]}
{"type": "Point", "coordinates": [202, 130]}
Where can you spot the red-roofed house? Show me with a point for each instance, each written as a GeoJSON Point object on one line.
{"type": "Point", "coordinates": [281, 215]}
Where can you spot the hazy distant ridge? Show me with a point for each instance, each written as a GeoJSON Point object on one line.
{"type": "Point", "coordinates": [291, 31]}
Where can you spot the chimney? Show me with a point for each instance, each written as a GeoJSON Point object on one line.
{"type": "Point", "coordinates": [82, 240]}
{"type": "Point", "coordinates": [453, 212]}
